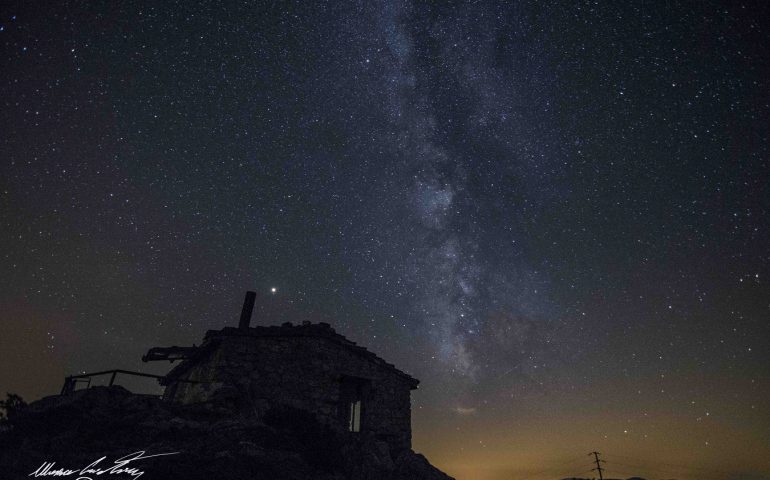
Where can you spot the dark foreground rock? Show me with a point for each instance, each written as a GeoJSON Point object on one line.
{"type": "Point", "coordinates": [213, 441]}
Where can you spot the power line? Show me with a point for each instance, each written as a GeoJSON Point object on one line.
{"type": "Point", "coordinates": [660, 467]}
{"type": "Point", "coordinates": [563, 474]}
{"type": "Point", "coordinates": [624, 473]}
{"type": "Point", "coordinates": [674, 465]}
{"type": "Point", "coordinates": [550, 469]}
{"type": "Point", "coordinates": [665, 470]}
{"type": "Point", "coordinates": [576, 475]}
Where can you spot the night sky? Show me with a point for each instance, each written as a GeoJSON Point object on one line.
{"type": "Point", "coordinates": [555, 215]}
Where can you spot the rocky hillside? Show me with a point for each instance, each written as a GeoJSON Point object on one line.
{"type": "Point", "coordinates": [214, 440]}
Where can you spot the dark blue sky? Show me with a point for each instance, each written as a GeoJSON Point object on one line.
{"type": "Point", "coordinates": [554, 214]}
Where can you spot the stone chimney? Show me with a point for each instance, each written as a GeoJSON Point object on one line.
{"type": "Point", "coordinates": [248, 308]}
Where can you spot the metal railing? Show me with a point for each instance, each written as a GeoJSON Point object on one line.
{"type": "Point", "coordinates": [71, 381]}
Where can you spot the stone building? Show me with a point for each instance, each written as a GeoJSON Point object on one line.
{"type": "Point", "coordinates": [308, 367]}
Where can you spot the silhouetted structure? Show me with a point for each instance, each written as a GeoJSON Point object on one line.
{"type": "Point", "coordinates": [308, 367]}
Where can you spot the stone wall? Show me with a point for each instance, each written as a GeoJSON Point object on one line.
{"type": "Point", "coordinates": [303, 372]}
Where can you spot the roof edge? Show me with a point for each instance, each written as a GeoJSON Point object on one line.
{"type": "Point", "coordinates": [307, 329]}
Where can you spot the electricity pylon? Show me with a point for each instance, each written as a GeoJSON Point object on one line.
{"type": "Point", "coordinates": [598, 464]}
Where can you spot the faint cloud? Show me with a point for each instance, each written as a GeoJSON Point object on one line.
{"type": "Point", "coordinates": [465, 410]}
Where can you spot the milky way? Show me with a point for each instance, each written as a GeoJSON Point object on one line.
{"type": "Point", "coordinates": [458, 288]}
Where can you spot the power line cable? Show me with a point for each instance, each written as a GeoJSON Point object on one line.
{"type": "Point", "coordinates": [555, 467]}
{"type": "Point", "coordinates": [685, 467]}
{"type": "Point", "coordinates": [640, 469]}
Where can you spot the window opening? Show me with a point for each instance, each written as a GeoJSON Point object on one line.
{"type": "Point", "coordinates": [354, 422]}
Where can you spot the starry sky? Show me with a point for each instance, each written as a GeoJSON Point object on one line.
{"type": "Point", "coordinates": [554, 214]}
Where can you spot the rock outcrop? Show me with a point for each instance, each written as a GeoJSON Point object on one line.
{"type": "Point", "coordinates": [214, 440]}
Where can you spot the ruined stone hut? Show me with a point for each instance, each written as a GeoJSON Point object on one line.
{"type": "Point", "coordinates": [308, 367]}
